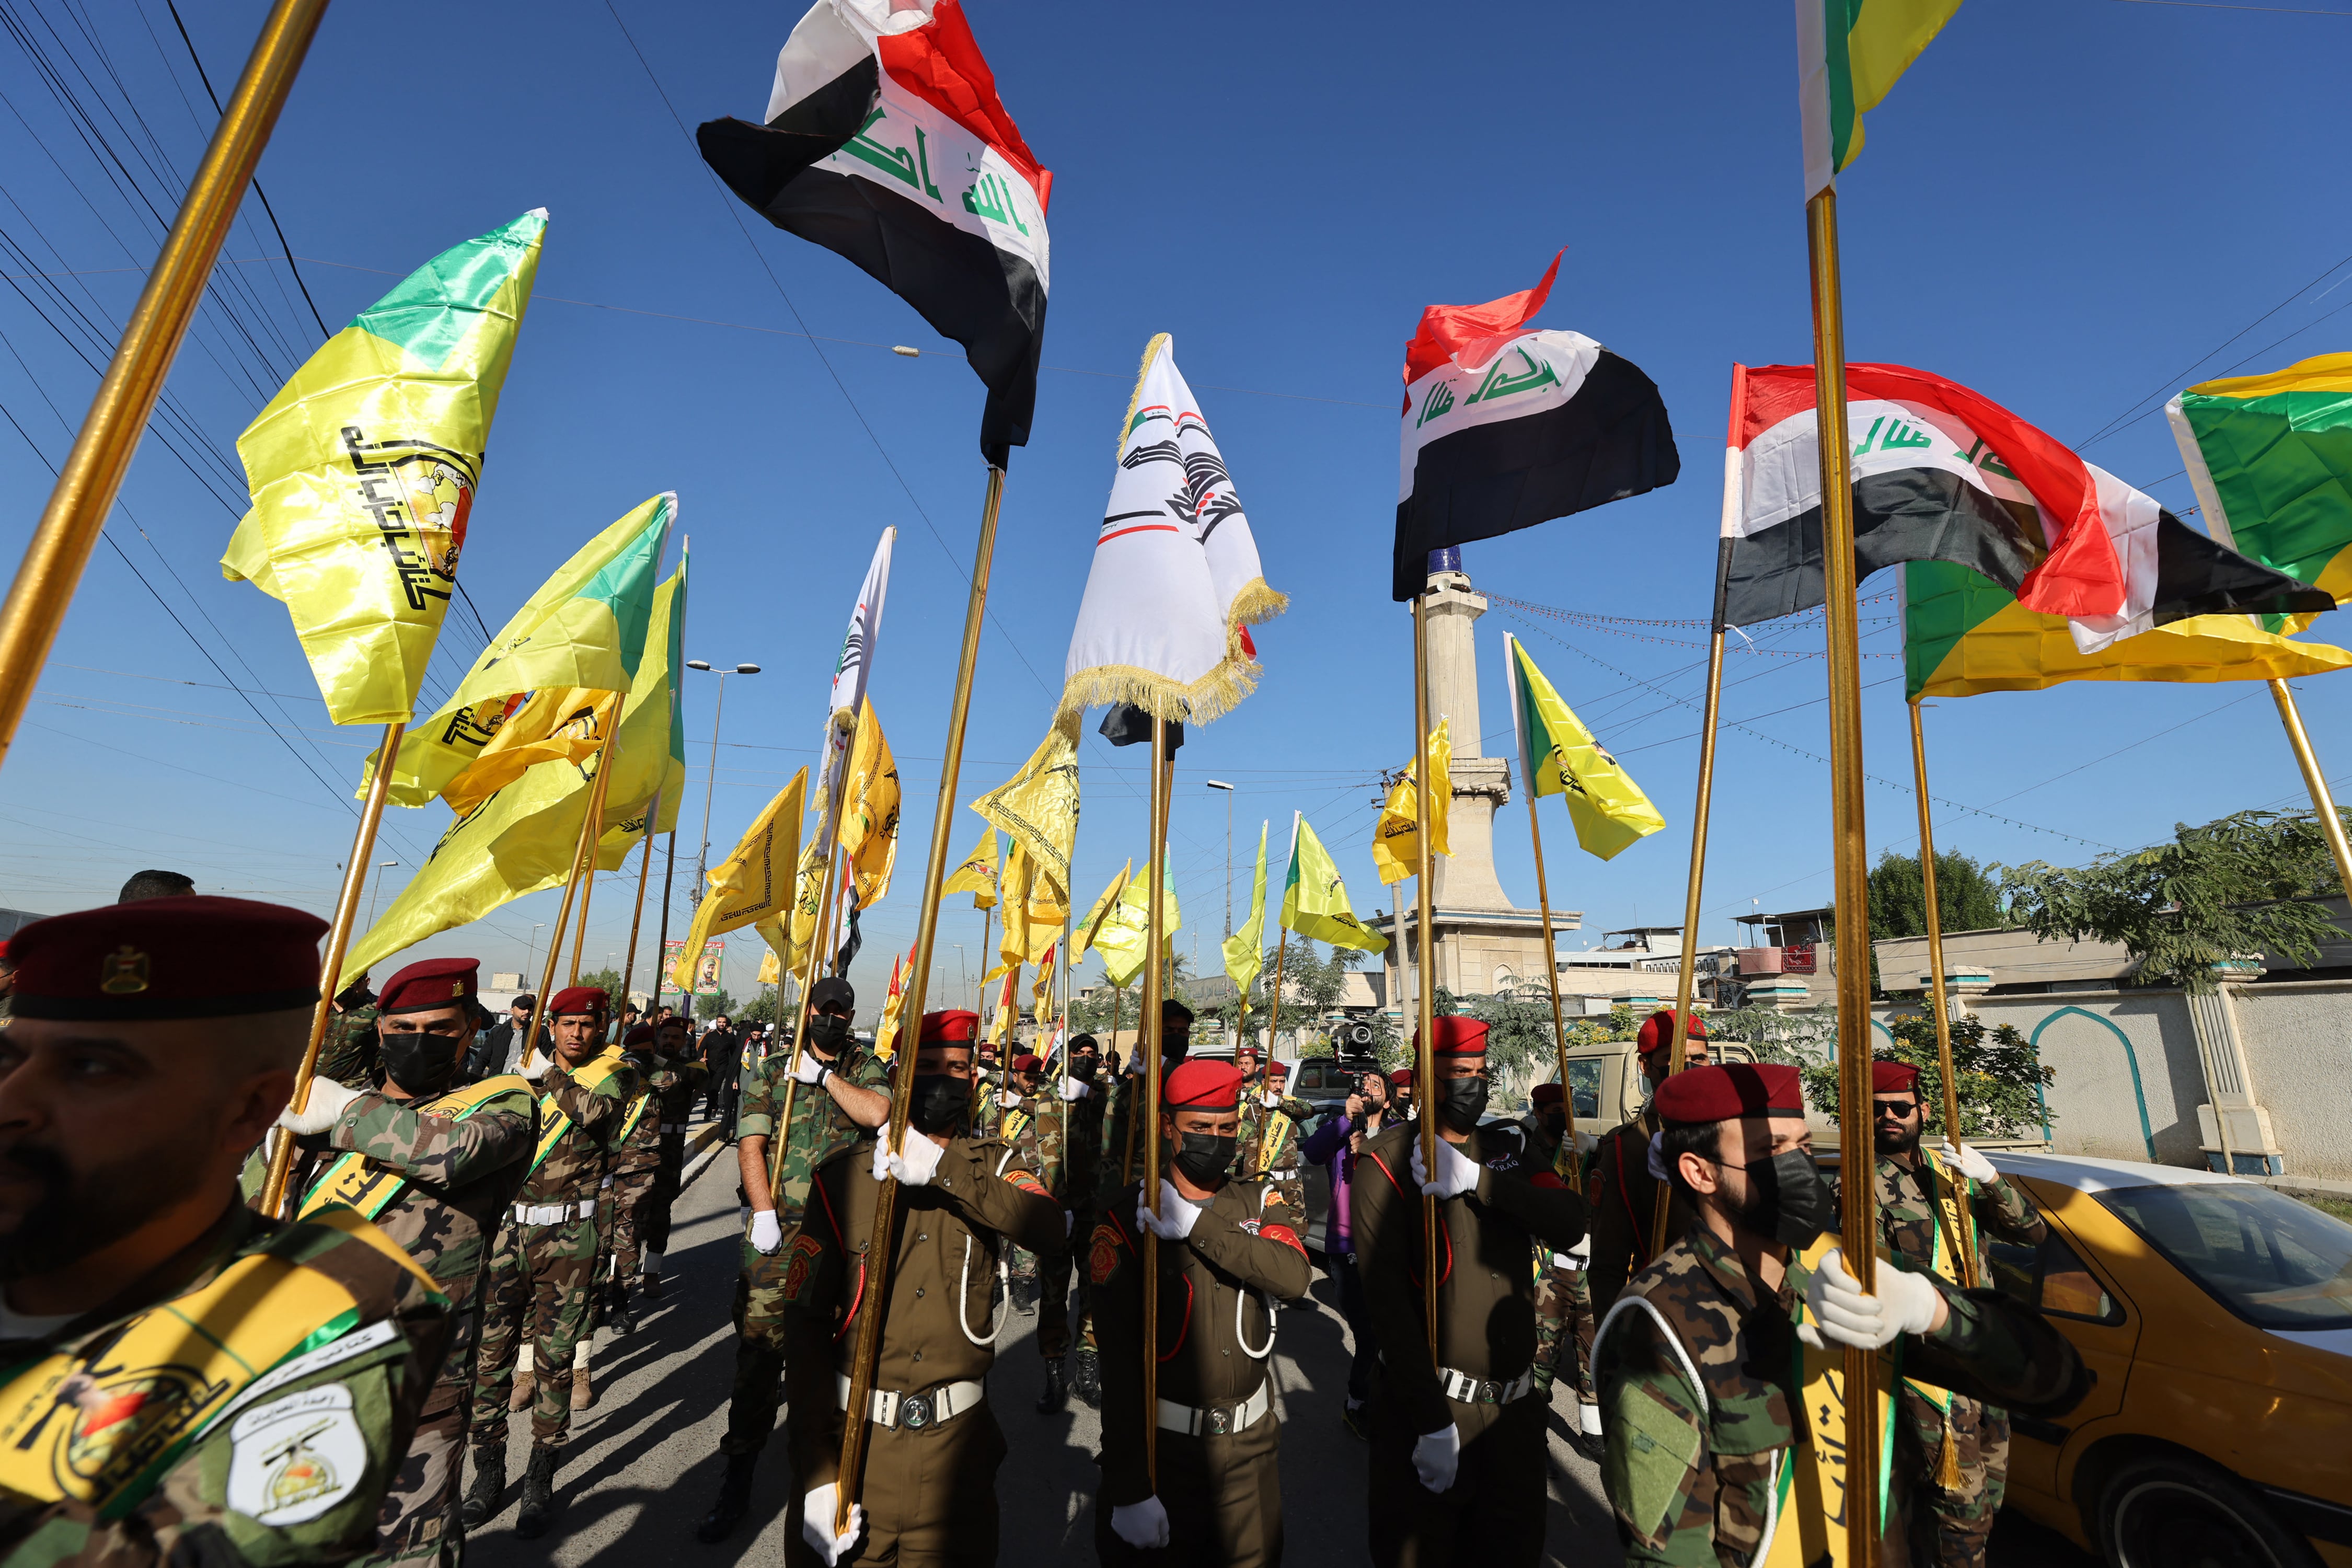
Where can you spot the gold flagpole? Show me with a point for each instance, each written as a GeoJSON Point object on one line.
{"type": "Point", "coordinates": [1936, 964]}
{"type": "Point", "coordinates": [869, 1317]}
{"type": "Point", "coordinates": [1424, 1069]}
{"type": "Point", "coordinates": [2323, 802]}
{"type": "Point", "coordinates": [807, 977]}
{"type": "Point", "coordinates": [661, 941]}
{"type": "Point", "coordinates": [86, 488]}
{"type": "Point", "coordinates": [644, 875]}
{"type": "Point", "coordinates": [1859, 1221]}
{"type": "Point", "coordinates": [1127, 1155]}
{"type": "Point", "coordinates": [1149, 1030]}
{"type": "Point", "coordinates": [595, 830]}
{"type": "Point", "coordinates": [1543, 904]}
{"type": "Point", "coordinates": [1069, 924]}
{"type": "Point", "coordinates": [331, 975]}
{"type": "Point", "coordinates": [585, 854]}
{"type": "Point", "coordinates": [1274, 997]}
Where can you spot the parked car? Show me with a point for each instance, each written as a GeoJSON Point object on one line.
{"type": "Point", "coordinates": [1605, 1083]}
{"type": "Point", "coordinates": [2216, 1314]}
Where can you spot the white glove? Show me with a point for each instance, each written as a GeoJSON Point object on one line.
{"type": "Point", "coordinates": [816, 1525]}
{"type": "Point", "coordinates": [1971, 1162]}
{"type": "Point", "coordinates": [1436, 1456]}
{"type": "Point", "coordinates": [910, 1167]}
{"type": "Point", "coordinates": [808, 1070]}
{"type": "Point", "coordinates": [1142, 1525]}
{"type": "Point", "coordinates": [329, 1100]}
{"type": "Point", "coordinates": [538, 1067]}
{"type": "Point", "coordinates": [1008, 1099]}
{"type": "Point", "coordinates": [1073, 1090]}
{"type": "Point", "coordinates": [1176, 1218]}
{"type": "Point", "coordinates": [1456, 1173]}
{"type": "Point", "coordinates": [767, 1232]}
{"type": "Point", "coordinates": [1905, 1304]}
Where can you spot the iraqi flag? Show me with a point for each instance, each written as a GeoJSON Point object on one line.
{"type": "Point", "coordinates": [884, 143]}
{"type": "Point", "coordinates": [1942, 473]}
{"type": "Point", "coordinates": [1504, 428]}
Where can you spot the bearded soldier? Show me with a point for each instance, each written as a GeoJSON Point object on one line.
{"type": "Point", "coordinates": [1618, 1183]}
{"type": "Point", "coordinates": [839, 1093]}
{"type": "Point", "coordinates": [182, 1380]}
{"type": "Point", "coordinates": [1722, 1364]}
{"type": "Point", "coordinates": [1933, 1205]}
{"type": "Point", "coordinates": [678, 1077]}
{"type": "Point", "coordinates": [543, 1267]}
{"type": "Point", "coordinates": [436, 1168]}
{"type": "Point", "coordinates": [929, 1483]}
{"type": "Point", "coordinates": [1564, 1320]}
{"type": "Point", "coordinates": [1227, 1246]}
{"type": "Point", "coordinates": [1457, 1447]}
{"type": "Point", "coordinates": [1268, 1150]}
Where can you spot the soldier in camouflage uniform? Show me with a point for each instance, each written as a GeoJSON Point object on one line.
{"type": "Point", "coordinates": [543, 1267]}
{"type": "Point", "coordinates": [678, 1080]}
{"type": "Point", "coordinates": [1697, 1361]}
{"type": "Point", "coordinates": [1617, 1179]}
{"type": "Point", "coordinates": [839, 1091]}
{"type": "Point", "coordinates": [1564, 1320]}
{"type": "Point", "coordinates": [1269, 1136]}
{"type": "Point", "coordinates": [1014, 1111]}
{"type": "Point", "coordinates": [150, 1048]}
{"type": "Point", "coordinates": [636, 1170]}
{"type": "Point", "coordinates": [1943, 1437]}
{"type": "Point", "coordinates": [436, 1168]}
{"type": "Point", "coordinates": [1122, 1146]}
{"type": "Point", "coordinates": [347, 1056]}
{"type": "Point", "coordinates": [1070, 1151]}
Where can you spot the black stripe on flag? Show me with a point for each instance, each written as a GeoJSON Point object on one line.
{"type": "Point", "coordinates": [1610, 441]}
{"type": "Point", "coordinates": [2197, 576]}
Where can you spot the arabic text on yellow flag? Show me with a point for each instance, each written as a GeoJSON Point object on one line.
{"type": "Point", "coordinates": [1561, 757]}
{"type": "Point", "coordinates": [362, 470]}
{"type": "Point", "coordinates": [754, 882]}
{"type": "Point", "coordinates": [977, 875]}
{"type": "Point", "coordinates": [650, 755]}
{"type": "Point", "coordinates": [1313, 898]}
{"type": "Point", "coordinates": [1125, 934]}
{"type": "Point", "coordinates": [1035, 909]}
{"type": "Point", "coordinates": [1083, 937]}
{"type": "Point", "coordinates": [869, 810]}
{"type": "Point", "coordinates": [1246, 948]}
{"type": "Point", "coordinates": [558, 724]}
{"type": "Point", "coordinates": [1038, 810]}
{"type": "Point", "coordinates": [1396, 847]}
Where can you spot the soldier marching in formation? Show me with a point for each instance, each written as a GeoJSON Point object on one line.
{"type": "Point", "coordinates": [1564, 1320]}
{"type": "Point", "coordinates": [1270, 1134]}
{"type": "Point", "coordinates": [1070, 1157]}
{"type": "Point", "coordinates": [677, 1077]}
{"type": "Point", "coordinates": [1618, 1182]}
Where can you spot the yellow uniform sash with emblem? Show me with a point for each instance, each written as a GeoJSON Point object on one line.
{"type": "Point", "coordinates": [1269, 1138]}
{"type": "Point", "coordinates": [360, 1183]}
{"type": "Point", "coordinates": [636, 1114]}
{"type": "Point", "coordinates": [103, 1428]}
{"type": "Point", "coordinates": [1808, 1497]}
{"type": "Point", "coordinates": [553, 1123]}
{"type": "Point", "coordinates": [1955, 1238]}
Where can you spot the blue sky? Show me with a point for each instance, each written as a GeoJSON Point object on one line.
{"type": "Point", "coordinates": [2068, 204]}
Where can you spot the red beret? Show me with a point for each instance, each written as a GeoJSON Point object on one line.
{"type": "Point", "coordinates": [192, 957]}
{"type": "Point", "coordinates": [1201, 1083]}
{"type": "Point", "coordinates": [1545, 1094]}
{"type": "Point", "coordinates": [1456, 1036]}
{"type": "Point", "coordinates": [1658, 1030]}
{"type": "Point", "coordinates": [953, 1028]}
{"type": "Point", "coordinates": [433, 982]}
{"type": "Point", "coordinates": [574, 999]}
{"type": "Point", "coordinates": [1698, 1095]}
{"type": "Point", "coordinates": [1401, 1078]}
{"type": "Point", "coordinates": [1893, 1078]}
{"type": "Point", "coordinates": [1277, 1070]}
{"type": "Point", "coordinates": [1028, 1063]}
{"type": "Point", "coordinates": [642, 1034]}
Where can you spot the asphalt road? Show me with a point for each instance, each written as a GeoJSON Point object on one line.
{"type": "Point", "coordinates": [644, 1464]}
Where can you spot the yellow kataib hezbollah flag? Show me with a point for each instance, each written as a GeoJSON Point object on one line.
{"type": "Point", "coordinates": [1313, 898]}
{"type": "Point", "coordinates": [754, 883]}
{"type": "Point", "coordinates": [977, 875]}
{"type": "Point", "coordinates": [650, 756]}
{"type": "Point", "coordinates": [1083, 937]}
{"type": "Point", "coordinates": [1561, 757]}
{"type": "Point", "coordinates": [1246, 948]}
{"type": "Point", "coordinates": [1040, 990]}
{"type": "Point", "coordinates": [1124, 935]}
{"type": "Point", "coordinates": [362, 470]}
{"type": "Point", "coordinates": [1038, 810]}
{"type": "Point", "coordinates": [558, 724]}
{"type": "Point", "coordinates": [869, 810]}
{"type": "Point", "coordinates": [1396, 848]}
{"type": "Point", "coordinates": [1033, 914]}
{"type": "Point", "coordinates": [771, 971]}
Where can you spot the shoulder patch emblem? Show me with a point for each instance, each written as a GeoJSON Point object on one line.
{"type": "Point", "coordinates": [1102, 1257]}
{"type": "Point", "coordinates": [294, 1459]}
{"type": "Point", "coordinates": [1026, 1180]}
{"type": "Point", "coordinates": [800, 1265]}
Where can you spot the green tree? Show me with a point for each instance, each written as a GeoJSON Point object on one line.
{"type": "Point", "coordinates": [1802, 1038]}
{"type": "Point", "coordinates": [608, 980]}
{"type": "Point", "coordinates": [2241, 885]}
{"type": "Point", "coordinates": [759, 1009]}
{"type": "Point", "coordinates": [711, 1007]}
{"type": "Point", "coordinates": [1968, 895]}
{"type": "Point", "coordinates": [2000, 1077]}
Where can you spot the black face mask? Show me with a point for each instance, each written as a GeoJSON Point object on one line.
{"type": "Point", "coordinates": [1083, 1068]}
{"type": "Point", "coordinates": [1205, 1157]}
{"type": "Point", "coordinates": [418, 1062]}
{"type": "Point", "coordinates": [828, 1032]}
{"type": "Point", "coordinates": [1174, 1048]}
{"type": "Point", "coordinates": [1788, 1200]}
{"type": "Point", "coordinates": [941, 1103]}
{"type": "Point", "coordinates": [1554, 1127]}
{"type": "Point", "coordinates": [1462, 1103]}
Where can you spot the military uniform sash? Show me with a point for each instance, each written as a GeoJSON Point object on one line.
{"type": "Point", "coordinates": [1015, 1124]}
{"type": "Point", "coordinates": [1269, 1139]}
{"type": "Point", "coordinates": [637, 1113]}
{"type": "Point", "coordinates": [553, 1123]}
{"type": "Point", "coordinates": [360, 1183]}
{"type": "Point", "coordinates": [1809, 1490]}
{"type": "Point", "coordinates": [1947, 1196]}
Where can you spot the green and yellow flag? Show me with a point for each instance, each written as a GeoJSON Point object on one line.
{"type": "Point", "coordinates": [977, 875]}
{"type": "Point", "coordinates": [651, 752]}
{"type": "Point", "coordinates": [362, 471]}
{"type": "Point", "coordinates": [1082, 936]}
{"type": "Point", "coordinates": [1848, 55]}
{"type": "Point", "coordinates": [1396, 844]}
{"type": "Point", "coordinates": [1313, 898]}
{"type": "Point", "coordinates": [2271, 459]}
{"type": "Point", "coordinates": [752, 884]}
{"type": "Point", "coordinates": [586, 627]}
{"type": "Point", "coordinates": [1125, 934]}
{"type": "Point", "coordinates": [1246, 948]}
{"type": "Point", "coordinates": [1559, 756]}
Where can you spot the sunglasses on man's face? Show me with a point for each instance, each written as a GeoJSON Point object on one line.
{"type": "Point", "coordinates": [1896, 1109]}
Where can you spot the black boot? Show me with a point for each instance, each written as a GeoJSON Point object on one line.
{"type": "Point", "coordinates": [538, 1493]}
{"type": "Point", "coordinates": [1089, 1376]}
{"type": "Point", "coordinates": [490, 1485]}
{"type": "Point", "coordinates": [1057, 1394]}
{"type": "Point", "coordinates": [617, 1308]}
{"type": "Point", "coordinates": [734, 1498]}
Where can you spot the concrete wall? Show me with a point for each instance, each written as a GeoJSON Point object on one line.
{"type": "Point", "coordinates": [2298, 1039]}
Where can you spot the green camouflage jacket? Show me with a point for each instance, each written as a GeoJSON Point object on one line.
{"type": "Point", "coordinates": [575, 1168]}
{"type": "Point", "coordinates": [348, 1055]}
{"type": "Point", "coordinates": [290, 1469]}
{"type": "Point", "coordinates": [1262, 1151]}
{"type": "Point", "coordinates": [1114, 1154]}
{"type": "Point", "coordinates": [1907, 1215]}
{"type": "Point", "coordinates": [679, 1081]}
{"type": "Point", "coordinates": [1059, 1141]}
{"type": "Point", "coordinates": [1689, 1469]}
{"type": "Point", "coordinates": [820, 1130]}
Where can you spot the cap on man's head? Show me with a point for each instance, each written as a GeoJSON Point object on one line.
{"type": "Point", "coordinates": [1697, 1095]}
{"type": "Point", "coordinates": [1246, 1048]}
{"type": "Point", "coordinates": [1401, 1078]}
{"type": "Point", "coordinates": [527, 1002]}
{"type": "Point", "coordinates": [1455, 1037]}
{"type": "Point", "coordinates": [638, 1035]}
{"type": "Point", "coordinates": [953, 1028]}
{"type": "Point", "coordinates": [1173, 1011]}
{"type": "Point", "coordinates": [1028, 1063]}
{"type": "Point", "coordinates": [1201, 1083]}
{"type": "Point", "coordinates": [574, 1000]}
{"type": "Point", "coordinates": [832, 991]}
{"type": "Point", "coordinates": [1658, 1030]}
{"type": "Point", "coordinates": [1083, 1043]}
{"type": "Point", "coordinates": [1893, 1078]}
{"type": "Point", "coordinates": [1277, 1072]}
{"type": "Point", "coordinates": [193, 957]}
{"type": "Point", "coordinates": [1545, 1094]}
{"type": "Point", "coordinates": [429, 983]}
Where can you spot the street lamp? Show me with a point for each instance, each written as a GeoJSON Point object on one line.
{"type": "Point", "coordinates": [379, 888]}
{"type": "Point", "coordinates": [1220, 783]}
{"type": "Point", "coordinates": [702, 858]}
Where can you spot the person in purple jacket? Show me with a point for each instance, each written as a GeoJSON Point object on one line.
{"type": "Point", "coordinates": [1334, 1146]}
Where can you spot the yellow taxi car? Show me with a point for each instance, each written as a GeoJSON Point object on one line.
{"type": "Point", "coordinates": [2216, 1314]}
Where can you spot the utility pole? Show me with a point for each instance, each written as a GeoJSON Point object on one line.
{"type": "Point", "coordinates": [702, 860]}
{"type": "Point", "coordinates": [1220, 783]}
